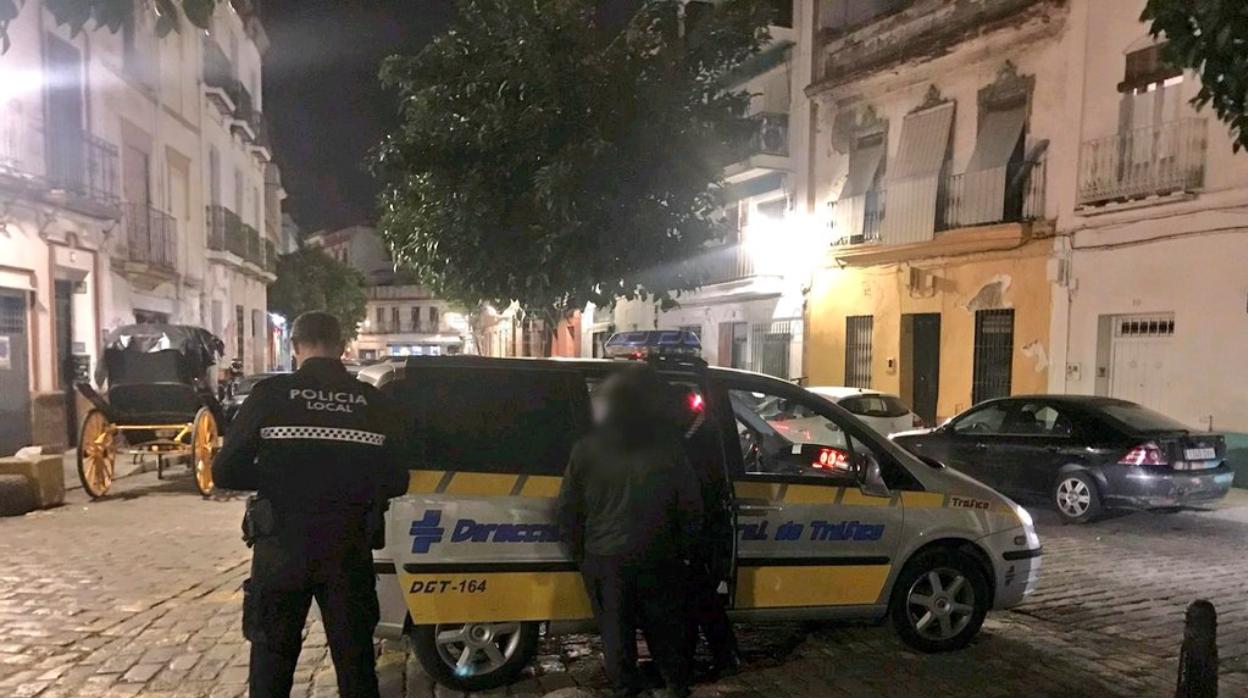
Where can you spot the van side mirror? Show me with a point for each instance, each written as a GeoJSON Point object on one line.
{"type": "Point", "coordinates": [870, 479]}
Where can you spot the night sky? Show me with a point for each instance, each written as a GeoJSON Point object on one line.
{"type": "Point", "coordinates": [326, 107]}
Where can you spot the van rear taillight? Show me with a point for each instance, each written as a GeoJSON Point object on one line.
{"type": "Point", "coordinates": [1148, 453]}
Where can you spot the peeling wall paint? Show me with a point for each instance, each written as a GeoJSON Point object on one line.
{"type": "Point", "coordinates": [991, 296]}
{"type": "Point", "coordinates": [1035, 351]}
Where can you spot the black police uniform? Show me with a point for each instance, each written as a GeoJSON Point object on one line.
{"type": "Point", "coordinates": [320, 447]}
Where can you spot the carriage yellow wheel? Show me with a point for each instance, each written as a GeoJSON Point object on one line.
{"type": "Point", "coordinates": [97, 453]}
{"type": "Point", "coordinates": [204, 439]}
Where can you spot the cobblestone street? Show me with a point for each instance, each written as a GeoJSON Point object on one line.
{"type": "Point", "coordinates": [139, 595]}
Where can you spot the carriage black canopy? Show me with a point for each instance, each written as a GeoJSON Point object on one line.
{"type": "Point", "coordinates": [198, 348]}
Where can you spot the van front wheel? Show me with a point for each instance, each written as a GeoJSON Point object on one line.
{"type": "Point", "coordinates": [475, 656]}
{"type": "Point", "coordinates": [940, 600]}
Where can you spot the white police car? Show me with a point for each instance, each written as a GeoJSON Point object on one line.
{"type": "Point", "coordinates": [861, 529]}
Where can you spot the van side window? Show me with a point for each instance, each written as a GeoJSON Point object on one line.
{"type": "Point", "coordinates": [493, 421]}
{"type": "Point", "coordinates": [784, 436]}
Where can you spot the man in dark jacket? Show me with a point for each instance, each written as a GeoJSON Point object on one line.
{"type": "Point", "coordinates": [630, 509]}
{"type": "Point", "coordinates": [317, 447]}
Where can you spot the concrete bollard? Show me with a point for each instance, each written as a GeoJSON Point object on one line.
{"type": "Point", "coordinates": [1198, 659]}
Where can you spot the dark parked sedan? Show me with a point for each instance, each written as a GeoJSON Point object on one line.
{"type": "Point", "coordinates": [1081, 453]}
{"type": "Point", "coordinates": [241, 390]}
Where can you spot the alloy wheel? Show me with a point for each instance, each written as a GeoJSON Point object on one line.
{"type": "Point", "coordinates": [1073, 497]}
{"type": "Point", "coordinates": [477, 648]}
{"type": "Point", "coordinates": [940, 604]}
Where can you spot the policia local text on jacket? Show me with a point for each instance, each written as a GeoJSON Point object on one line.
{"type": "Point", "coordinates": [315, 444]}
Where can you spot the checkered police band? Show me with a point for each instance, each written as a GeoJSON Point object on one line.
{"type": "Point", "coordinates": [356, 436]}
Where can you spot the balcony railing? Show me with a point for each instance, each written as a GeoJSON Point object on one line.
{"type": "Point", "coordinates": [1011, 194]}
{"type": "Point", "coordinates": [857, 219]}
{"type": "Point", "coordinates": [253, 252]}
{"type": "Point", "coordinates": [72, 162]}
{"type": "Point", "coordinates": [1143, 162]}
{"type": "Point", "coordinates": [225, 231]}
{"type": "Point", "coordinates": [83, 164]}
{"type": "Point", "coordinates": [728, 262]}
{"type": "Point", "coordinates": [151, 237]}
{"type": "Point", "coordinates": [270, 256]}
{"type": "Point", "coordinates": [390, 327]}
{"type": "Point", "coordinates": [769, 137]}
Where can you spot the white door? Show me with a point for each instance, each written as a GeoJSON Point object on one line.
{"type": "Point", "coordinates": [1142, 363]}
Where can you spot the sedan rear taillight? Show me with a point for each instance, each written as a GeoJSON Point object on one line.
{"type": "Point", "coordinates": [1148, 453]}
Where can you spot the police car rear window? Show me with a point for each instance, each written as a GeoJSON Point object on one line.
{"type": "Point", "coordinates": [490, 420]}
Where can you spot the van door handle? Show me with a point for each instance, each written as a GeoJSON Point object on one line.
{"type": "Point", "coordinates": [757, 509]}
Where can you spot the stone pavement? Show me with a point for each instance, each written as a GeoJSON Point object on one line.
{"type": "Point", "coordinates": [139, 594]}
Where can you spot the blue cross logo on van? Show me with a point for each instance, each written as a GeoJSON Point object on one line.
{"type": "Point", "coordinates": [427, 531]}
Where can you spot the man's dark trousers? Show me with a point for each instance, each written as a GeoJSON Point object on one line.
{"type": "Point", "coordinates": [627, 595]}
{"type": "Point", "coordinates": [286, 574]}
{"type": "Point", "coordinates": [707, 613]}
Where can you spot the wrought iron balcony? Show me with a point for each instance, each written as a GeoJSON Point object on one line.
{"type": "Point", "coordinates": [270, 256]}
{"type": "Point", "coordinates": [1009, 194]}
{"type": "Point", "coordinates": [225, 231]}
{"type": "Point", "coordinates": [151, 237]}
{"type": "Point", "coordinates": [772, 134]}
{"type": "Point", "coordinates": [727, 262]}
{"type": "Point", "coordinates": [67, 167]}
{"type": "Point", "coordinates": [1014, 193]}
{"type": "Point", "coordinates": [766, 151]}
{"type": "Point", "coordinates": [1152, 161]}
{"type": "Point", "coordinates": [253, 252]}
{"type": "Point", "coordinates": [857, 219]}
{"type": "Point", "coordinates": [82, 164]}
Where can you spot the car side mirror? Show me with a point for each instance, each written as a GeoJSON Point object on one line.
{"type": "Point", "coordinates": [870, 479]}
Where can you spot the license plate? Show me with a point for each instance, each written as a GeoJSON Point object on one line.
{"type": "Point", "coordinates": [1193, 454]}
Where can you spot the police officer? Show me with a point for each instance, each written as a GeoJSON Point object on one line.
{"type": "Point", "coordinates": [316, 446]}
{"type": "Point", "coordinates": [629, 510]}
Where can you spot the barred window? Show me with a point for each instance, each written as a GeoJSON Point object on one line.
{"type": "Point", "coordinates": [858, 330]}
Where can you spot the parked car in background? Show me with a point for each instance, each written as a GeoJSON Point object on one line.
{"type": "Point", "coordinates": [1082, 453]}
{"type": "Point", "coordinates": [885, 413]}
{"type": "Point", "coordinates": [241, 389]}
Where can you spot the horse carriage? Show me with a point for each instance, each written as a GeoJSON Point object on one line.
{"type": "Point", "coordinates": [159, 401]}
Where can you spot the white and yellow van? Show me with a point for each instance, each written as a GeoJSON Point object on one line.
{"type": "Point", "coordinates": [831, 523]}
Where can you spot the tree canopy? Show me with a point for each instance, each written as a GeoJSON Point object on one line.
{"type": "Point", "coordinates": [545, 158]}
{"type": "Point", "coordinates": [113, 14]}
{"type": "Point", "coordinates": [309, 279]}
{"type": "Point", "coordinates": [1211, 38]}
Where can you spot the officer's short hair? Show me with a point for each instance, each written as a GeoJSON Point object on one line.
{"type": "Point", "coordinates": [316, 327]}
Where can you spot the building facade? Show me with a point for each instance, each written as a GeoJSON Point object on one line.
{"type": "Point", "coordinates": [748, 314]}
{"type": "Point", "coordinates": [117, 151]}
{"type": "Point", "coordinates": [1151, 293]}
{"type": "Point", "coordinates": [401, 318]}
{"type": "Point", "coordinates": [936, 125]}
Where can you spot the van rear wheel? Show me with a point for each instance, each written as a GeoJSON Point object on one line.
{"type": "Point", "coordinates": [475, 656]}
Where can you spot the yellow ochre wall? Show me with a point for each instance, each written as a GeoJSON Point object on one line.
{"type": "Point", "coordinates": [881, 291]}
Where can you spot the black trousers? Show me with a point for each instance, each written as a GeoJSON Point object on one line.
{"type": "Point", "coordinates": [707, 614]}
{"type": "Point", "coordinates": [285, 577]}
{"type": "Point", "coordinates": [627, 596]}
